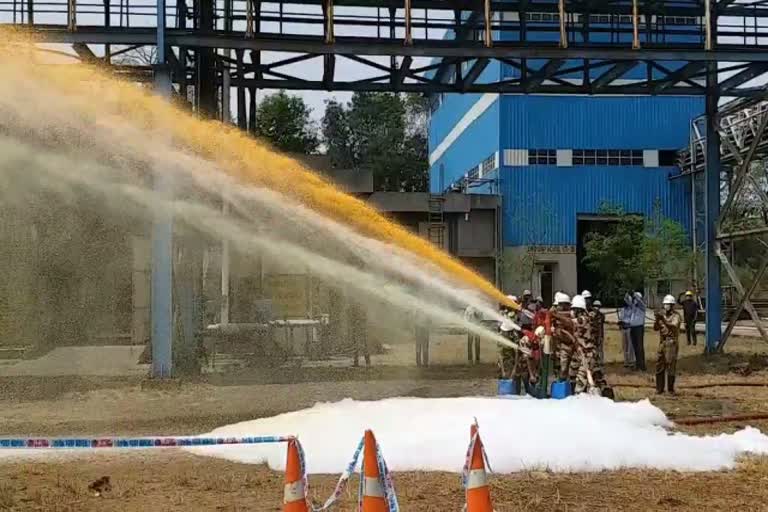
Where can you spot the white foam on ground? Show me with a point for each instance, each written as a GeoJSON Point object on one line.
{"type": "Point", "coordinates": [580, 433]}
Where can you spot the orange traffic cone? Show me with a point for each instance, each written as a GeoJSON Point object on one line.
{"type": "Point", "coordinates": [373, 488]}
{"type": "Point", "coordinates": [478, 493]}
{"type": "Point", "coordinates": [294, 497]}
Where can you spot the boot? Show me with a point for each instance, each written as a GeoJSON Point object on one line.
{"type": "Point", "coordinates": [660, 383]}
{"type": "Point", "coordinates": [671, 384]}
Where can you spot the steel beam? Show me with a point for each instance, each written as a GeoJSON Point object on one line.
{"type": "Point", "coordinates": [611, 74]}
{"type": "Point", "coordinates": [432, 48]}
{"type": "Point", "coordinates": [751, 72]}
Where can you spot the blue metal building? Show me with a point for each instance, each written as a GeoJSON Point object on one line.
{"type": "Point", "coordinates": [556, 160]}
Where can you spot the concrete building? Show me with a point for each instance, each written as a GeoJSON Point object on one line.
{"type": "Point", "coordinates": [556, 161]}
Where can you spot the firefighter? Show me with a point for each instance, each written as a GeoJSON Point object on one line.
{"type": "Point", "coordinates": [562, 337]}
{"type": "Point", "coordinates": [600, 333]}
{"type": "Point", "coordinates": [510, 361]}
{"type": "Point", "coordinates": [668, 324]}
{"type": "Point", "coordinates": [589, 371]}
{"type": "Point", "coordinates": [530, 343]}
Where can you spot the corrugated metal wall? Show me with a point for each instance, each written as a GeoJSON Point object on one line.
{"type": "Point", "coordinates": [454, 106]}
{"type": "Point", "coordinates": [591, 122]}
{"type": "Point", "coordinates": [477, 142]}
{"type": "Point", "coordinates": [541, 203]}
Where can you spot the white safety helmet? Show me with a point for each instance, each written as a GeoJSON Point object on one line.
{"type": "Point", "coordinates": [597, 303]}
{"type": "Point", "coordinates": [578, 302]}
{"type": "Point", "coordinates": [669, 299]}
{"type": "Point", "coordinates": [540, 331]}
{"type": "Point", "coordinates": [561, 298]}
{"type": "Point", "coordinates": [508, 325]}
{"type": "Point", "coordinates": [527, 292]}
{"type": "Point", "coordinates": [513, 298]}
{"type": "Point", "coordinates": [586, 294]}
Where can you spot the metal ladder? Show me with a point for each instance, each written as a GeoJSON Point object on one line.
{"type": "Point", "coordinates": [436, 227]}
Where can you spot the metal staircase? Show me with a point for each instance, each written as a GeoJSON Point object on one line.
{"type": "Point", "coordinates": [436, 227]}
{"type": "Point", "coordinates": [739, 125]}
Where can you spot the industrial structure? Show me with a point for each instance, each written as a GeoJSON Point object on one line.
{"type": "Point", "coordinates": [710, 49]}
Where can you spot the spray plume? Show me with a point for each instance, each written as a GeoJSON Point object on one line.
{"type": "Point", "coordinates": [230, 149]}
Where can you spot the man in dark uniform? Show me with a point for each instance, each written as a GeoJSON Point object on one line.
{"type": "Point", "coordinates": [690, 312]}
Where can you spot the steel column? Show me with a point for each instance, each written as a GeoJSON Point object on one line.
{"type": "Point", "coordinates": [711, 215]}
{"type": "Point", "coordinates": [162, 235]}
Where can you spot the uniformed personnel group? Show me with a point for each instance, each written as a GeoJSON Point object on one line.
{"type": "Point", "coordinates": [571, 334]}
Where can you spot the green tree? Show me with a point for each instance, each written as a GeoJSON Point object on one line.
{"type": "Point", "coordinates": [636, 251]}
{"type": "Point", "coordinates": [381, 132]}
{"type": "Point", "coordinates": [285, 122]}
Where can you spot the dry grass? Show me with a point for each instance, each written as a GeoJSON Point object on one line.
{"type": "Point", "coordinates": [183, 482]}
{"type": "Point", "coordinates": [174, 481]}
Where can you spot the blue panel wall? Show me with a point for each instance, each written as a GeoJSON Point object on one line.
{"type": "Point", "coordinates": [589, 122]}
{"type": "Point", "coordinates": [541, 203]}
{"type": "Point", "coordinates": [454, 106]}
{"type": "Point", "coordinates": [477, 142]}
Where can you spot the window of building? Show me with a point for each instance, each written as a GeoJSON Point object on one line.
{"type": "Point", "coordinates": [667, 158]}
{"type": "Point", "coordinates": [542, 157]}
{"type": "Point", "coordinates": [489, 164]}
{"type": "Point", "coordinates": [624, 157]}
{"type": "Point", "coordinates": [543, 17]}
{"type": "Point", "coordinates": [677, 20]}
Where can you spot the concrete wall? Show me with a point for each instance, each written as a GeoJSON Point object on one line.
{"type": "Point", "coordinates": [519, 269]}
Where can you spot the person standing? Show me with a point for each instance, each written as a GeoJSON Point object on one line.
{"type": "Point", "coordinates": [473, 340]}
{"type": "Point", "coordinates": [422, 340]}
{"type": "Point", "coordinates": [637, 330]}
{"type": "Point", "coordinates": [668, 324]}
{"type": "Point", "coordinates": [624, 316]}
{"type": "Point", "coordinates": [358, 330]}
{"type": "Point", "coordinates": [690, 312]}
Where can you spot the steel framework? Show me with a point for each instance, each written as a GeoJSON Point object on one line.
{"type": "Point", "coordinates": [710, 48]}
{"type": "Point", "coordinates": [743, 130]}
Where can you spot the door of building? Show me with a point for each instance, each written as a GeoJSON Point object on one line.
{"type": "Point", "coordinates": [546, 282]}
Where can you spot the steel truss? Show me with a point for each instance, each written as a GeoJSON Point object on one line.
{"type": "Point", "coordinates": [743, 130]}
{"type": "Point", "coordinates": [547, 47]}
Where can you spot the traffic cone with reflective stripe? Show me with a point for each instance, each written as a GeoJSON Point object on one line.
{"type": "Point", "coordinates": [478, 492]}
{"type": "Point", "coordinates": [294, 497]}
{"type": "Point", "coordinates": [373, 487]}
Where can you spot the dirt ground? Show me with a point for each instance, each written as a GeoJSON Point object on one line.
{"type": "Point", "coordinates": [176, 481]}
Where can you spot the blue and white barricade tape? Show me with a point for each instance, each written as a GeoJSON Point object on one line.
{"type": "Point", "coordinates": [386, 481]}
{"type": "Point", "coordinates": [89, 443]}
{"type": "Point", "coordinates": [343, 480]}
{"type": "Point", "coordinates": [389, 485]}
{"type": "Point", "coordinates": [468, 459]}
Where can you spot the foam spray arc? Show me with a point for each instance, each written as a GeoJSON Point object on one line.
{"type": "Point", "coordinates": [236, 154]}
{"type": "Point", "coordinates": [57, 172]}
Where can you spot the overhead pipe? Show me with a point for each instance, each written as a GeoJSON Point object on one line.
{"type": "Point", "coordinates": [408, 33]}
{"type": "Point", "coordinates": [635, 23]}
{"type": "Point", "coordinates": [563, 34]}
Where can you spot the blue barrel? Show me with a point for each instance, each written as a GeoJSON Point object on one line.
{"type": "Point", "coordinates": [507, 387]}
{"type": "Point", "coordinates": [560, 389]}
